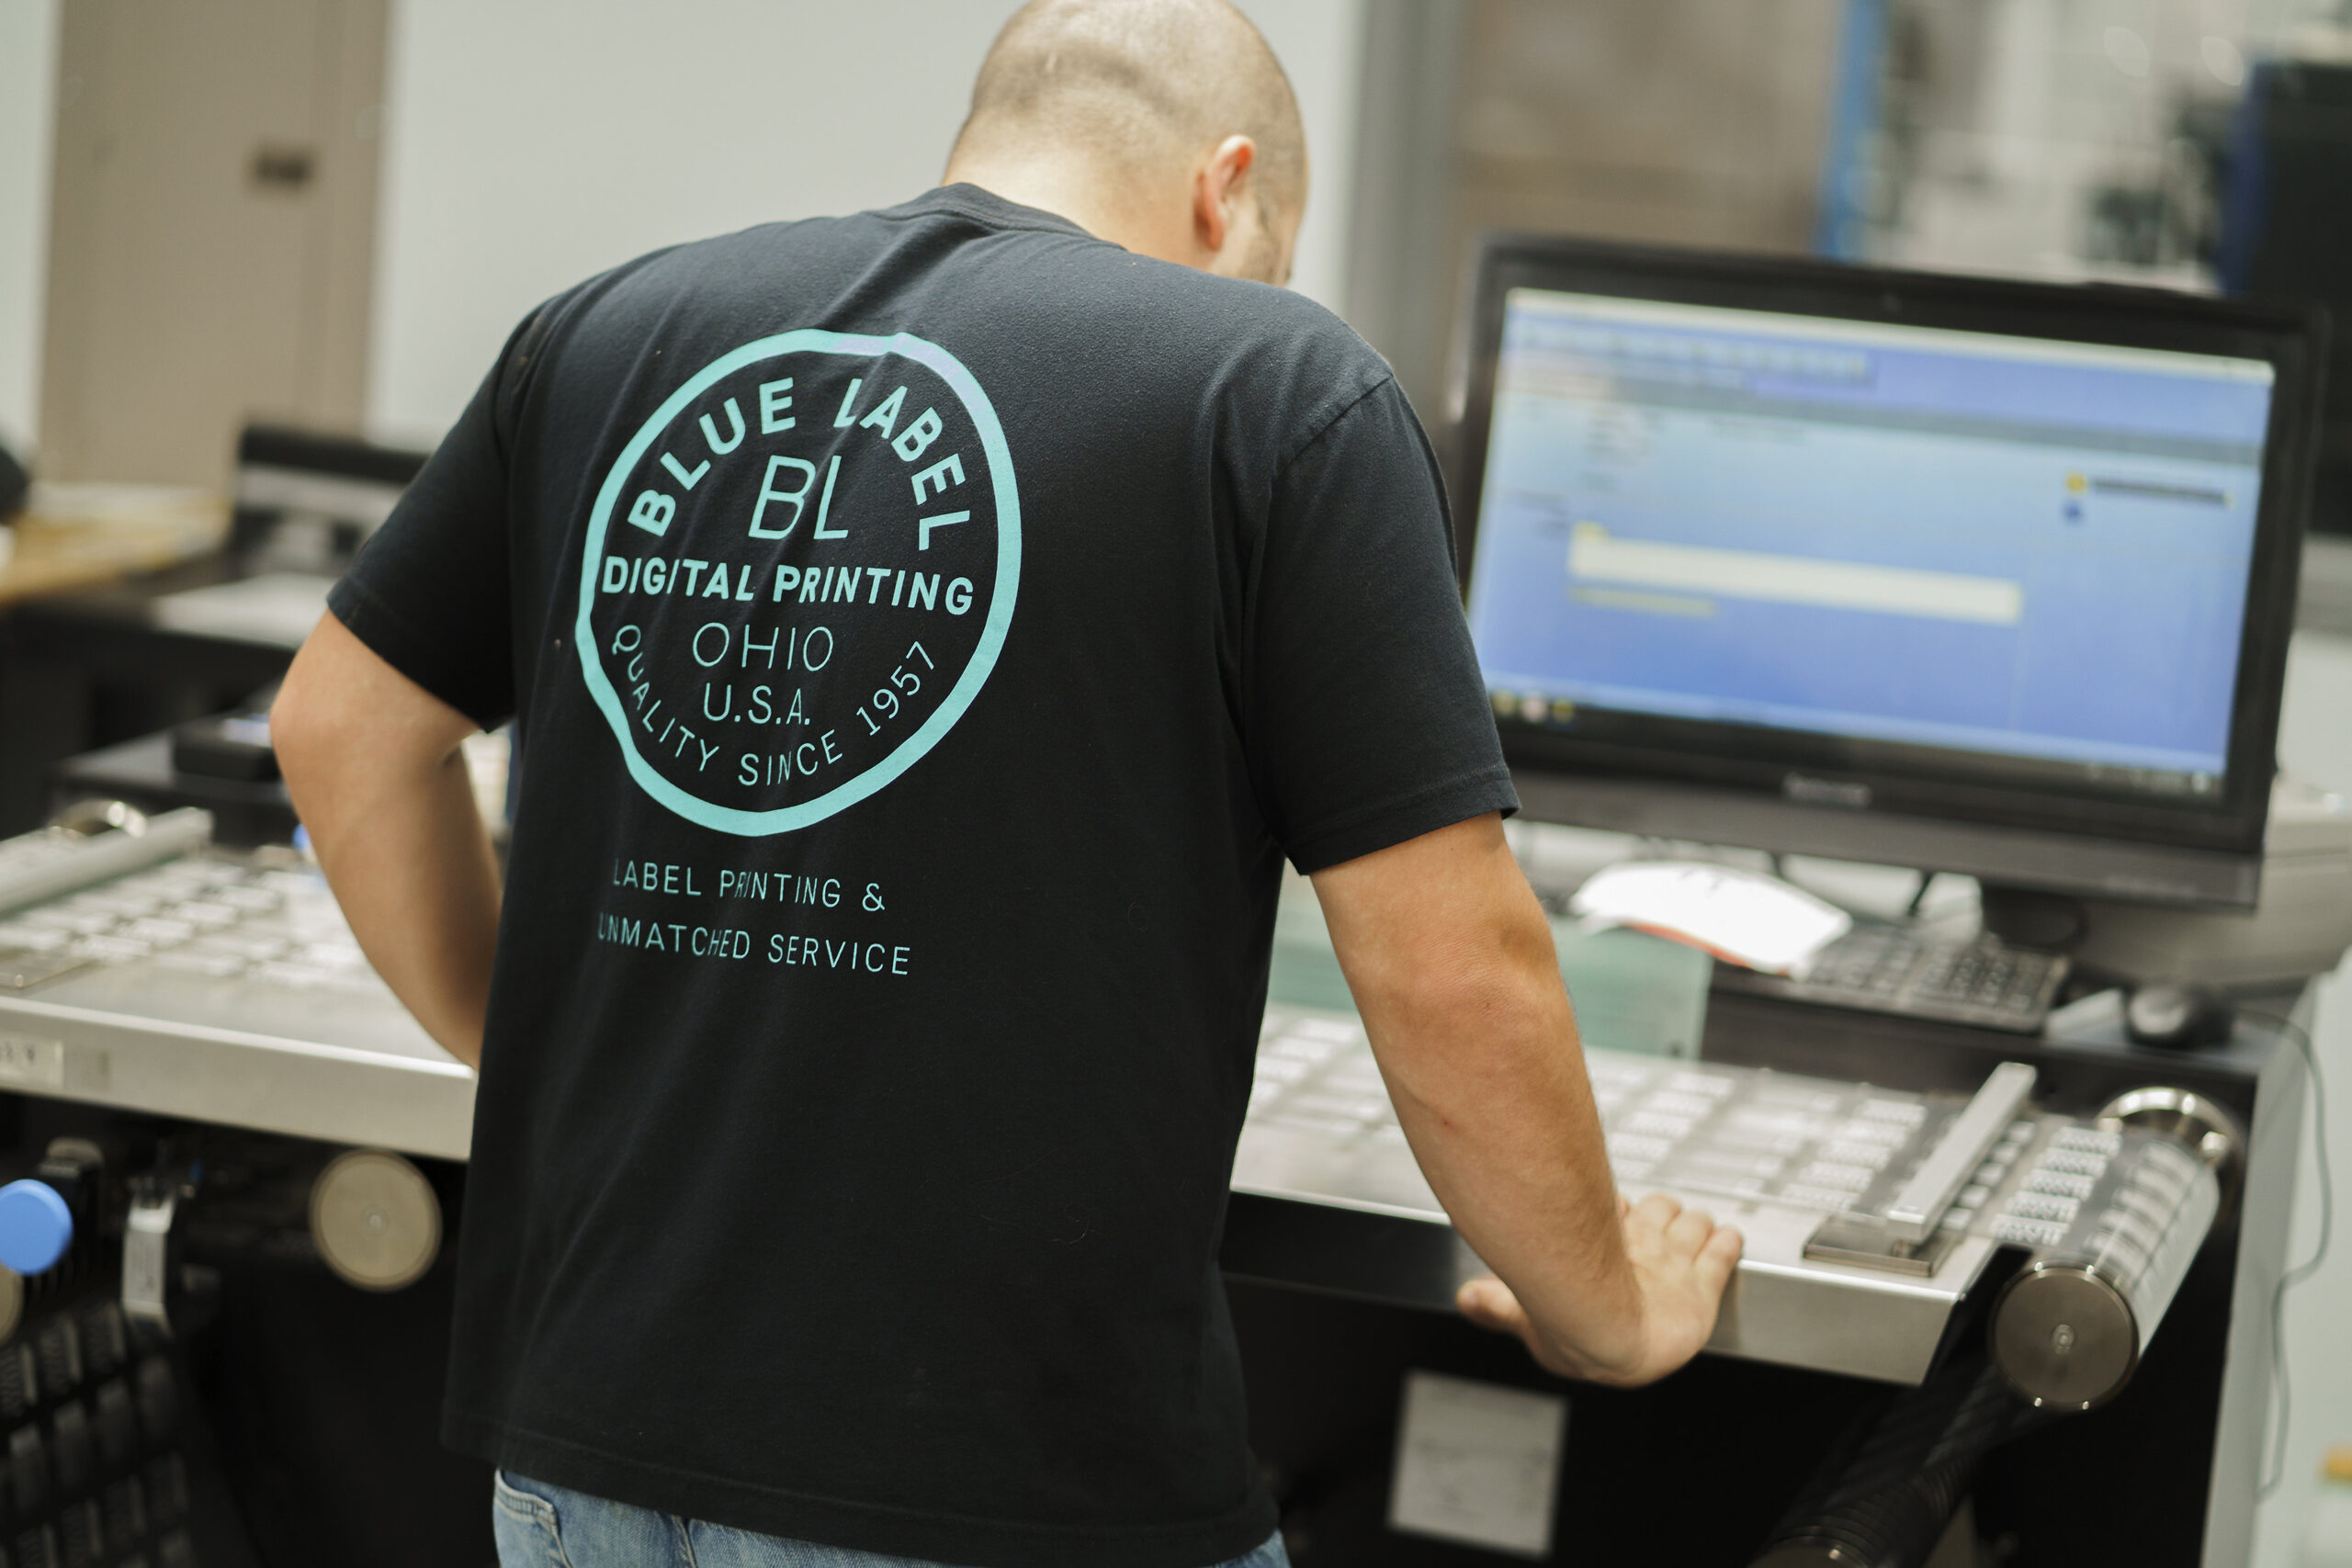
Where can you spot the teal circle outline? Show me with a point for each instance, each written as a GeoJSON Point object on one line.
{"type": "Point", "coordinates": [908, 752]}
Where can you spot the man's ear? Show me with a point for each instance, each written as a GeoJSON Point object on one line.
{"type": "Point", "coordinates": [1215, 190]}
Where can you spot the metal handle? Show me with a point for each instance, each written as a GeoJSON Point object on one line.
{"type": "Point", "coordinates": [1919, 1208]}
{"type": "Point", "coordinates": [107, 855]}
{"type": "Point", "coordinates": [146, 1253]}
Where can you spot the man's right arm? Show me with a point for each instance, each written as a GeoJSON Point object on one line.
{"type": "Point", "coordinates": [1451, 965]}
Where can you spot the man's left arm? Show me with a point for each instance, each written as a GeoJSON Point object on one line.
{"type": "Point", "coordinates": [372, 761]}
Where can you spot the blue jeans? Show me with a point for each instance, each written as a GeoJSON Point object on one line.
{"type": "Point", "coordinates": [540, 1525]}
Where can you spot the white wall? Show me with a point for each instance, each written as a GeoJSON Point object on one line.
{"type": "Point", "coordinates": [530, 143]}
{"type": "Point", "coordinates": [1320, 44]}
{"type": "Point", "coordinates": [27, 81]}
{"type": "Point", "coordinates": [2315, 745]}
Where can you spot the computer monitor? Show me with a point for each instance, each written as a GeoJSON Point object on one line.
{"type": "Point", "coordinates": [1956, 573]}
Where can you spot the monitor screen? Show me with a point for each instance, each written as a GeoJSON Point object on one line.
{"type": "Point", "coordinates": [1983, 544]}
{"type": "Point", "coordinates": [1992, 552]}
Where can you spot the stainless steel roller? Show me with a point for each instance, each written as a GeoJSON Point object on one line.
{"type": "Point", "coordinates": [2129, 1200]}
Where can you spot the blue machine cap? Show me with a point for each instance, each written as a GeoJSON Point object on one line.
{"type": "Point", "coordinates": [35, 1226]}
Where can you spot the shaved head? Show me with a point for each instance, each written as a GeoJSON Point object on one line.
{"type": "Point", "coordinates": [1139, 87]}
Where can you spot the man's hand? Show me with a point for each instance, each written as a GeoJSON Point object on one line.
{"type": "Point", "coordinates": [1451, 965]}
{"type": "Point", "coordinates": [1681, 1260]}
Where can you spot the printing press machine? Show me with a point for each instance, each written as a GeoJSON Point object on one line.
{"type": "Point", "coordinates": [1862, 1389]}
{"type": "Point", "coordinates": [1820, 560]}
{"type": "Point", "coordinates": [2032, 1271]}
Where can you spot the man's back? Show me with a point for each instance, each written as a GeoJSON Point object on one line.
{"type": "Point", "coordinates": [928, 631]}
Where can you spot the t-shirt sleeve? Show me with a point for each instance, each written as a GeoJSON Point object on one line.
{"type": "Point", "coordinates": [1371, 724]}
{"type": "Point", "coordinates": [430, 593]}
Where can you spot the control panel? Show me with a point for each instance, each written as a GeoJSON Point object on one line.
{"type": "Point", "coordinates": [1870, 1213]}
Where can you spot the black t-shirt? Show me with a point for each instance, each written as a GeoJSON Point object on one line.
{"type": "Point", "coordinates": [928, 630]}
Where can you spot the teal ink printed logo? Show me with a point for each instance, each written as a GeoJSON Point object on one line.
{"type": "Point", "coordinates": [797, 575]}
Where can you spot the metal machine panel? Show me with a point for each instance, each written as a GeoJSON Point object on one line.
{"type": "Point", "coordinates": [1770, 1153]}
{"type": "Point", "coordinates": [1847, 1268]}
{"type": "Point", "coordinates": [228, 989]}
{"type": "Point", "coordinates": [223, 988]}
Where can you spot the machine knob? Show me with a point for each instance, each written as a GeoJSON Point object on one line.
{"type": "Point", "coordinates": [36, 1226]}
{"type": "Point", "coordinates": [375, 1220]}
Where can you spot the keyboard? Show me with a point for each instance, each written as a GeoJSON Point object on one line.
{"type": "Point", "coordinates": [1884, 968]}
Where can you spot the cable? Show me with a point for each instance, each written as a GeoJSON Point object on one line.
{"type": "Point", "coordinates": [2296, 1276]}
{"type": "Point", "coordinates": [1918, 896]}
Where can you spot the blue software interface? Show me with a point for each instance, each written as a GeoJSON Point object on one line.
{"type": "Point", "coordinates": [1990, 544]}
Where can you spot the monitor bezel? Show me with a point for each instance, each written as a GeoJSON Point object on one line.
{"type": "Point", "coordinates": [1872, 776]}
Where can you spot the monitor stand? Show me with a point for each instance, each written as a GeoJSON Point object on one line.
{"type": "Point", "coordinates": [2028, 916]}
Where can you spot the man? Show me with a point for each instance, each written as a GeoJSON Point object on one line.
{"type": "Point", "coordinates": [928, 631]}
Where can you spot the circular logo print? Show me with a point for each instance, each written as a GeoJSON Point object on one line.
{"type": "Point", "coordinates": [799, 574]}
